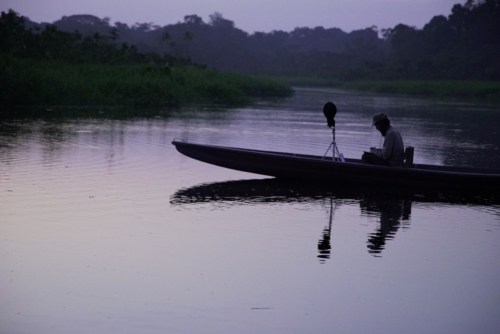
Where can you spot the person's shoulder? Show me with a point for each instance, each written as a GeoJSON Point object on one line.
{"type": "Point", "coordinates": [392, 129]}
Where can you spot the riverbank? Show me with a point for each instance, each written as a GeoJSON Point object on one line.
{"type": "Point", "coordinates": [480, 90]}
{"type": "Point", "coordinates": [27, 82]}
{"type": "Point", "coordinates": [477, 90]}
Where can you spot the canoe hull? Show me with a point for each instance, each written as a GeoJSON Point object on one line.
{"type": "Point", "coordinates": [315, 168]}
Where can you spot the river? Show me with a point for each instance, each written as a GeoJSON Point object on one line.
{"type": "Point", "coordinates": [106, 228]}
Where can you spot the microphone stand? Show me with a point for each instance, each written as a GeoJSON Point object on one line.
{"type": "Point", "coordinates": [336, 156]}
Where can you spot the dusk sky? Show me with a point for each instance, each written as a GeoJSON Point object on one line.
{"type": "Point", "coordinates": [250, 16]}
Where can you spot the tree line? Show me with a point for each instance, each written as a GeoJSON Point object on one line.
{"type": "Point", "coordinates": [20, 38]}
{"type": "Point", "coordinates": [42, 65]}
{"type": "Point", "coordinates": [465, 45]}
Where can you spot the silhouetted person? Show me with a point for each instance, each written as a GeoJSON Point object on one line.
{"type": "Point", "coordinates": [393, 151]}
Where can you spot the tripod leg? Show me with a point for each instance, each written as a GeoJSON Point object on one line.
{"type": "Point", "coordinates": [328, 149]}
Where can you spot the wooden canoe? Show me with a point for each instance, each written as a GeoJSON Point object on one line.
{"type": "Point", "coordinates": [352, 172]}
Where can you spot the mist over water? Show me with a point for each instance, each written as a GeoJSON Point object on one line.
{"type": "Point", "coordinates": [104, 227]}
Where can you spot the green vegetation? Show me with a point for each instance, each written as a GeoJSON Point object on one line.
{"type": "Point", "coordinates": [451, 56]}
{"type": "Point", "coordinates": [484, 90]}
{"type": "Point", "coordinates": [51, 67]}
{"type": "Point", "coordinates": [32, 82]}
{"type": "Point", "coordinates": [474, 90]}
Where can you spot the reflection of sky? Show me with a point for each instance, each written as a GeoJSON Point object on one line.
{"type": "Point", "coordinates": [250, 16]}
{"type": "Point", "coordinates": [127, 255]}
{"type": "Point", "coordinates": [91, 243]}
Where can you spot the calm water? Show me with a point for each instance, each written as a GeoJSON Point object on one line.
{"type": "Point", "coordinates": [105, 228]}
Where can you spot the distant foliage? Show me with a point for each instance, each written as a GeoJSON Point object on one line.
{"type": "Point", "coordinates": [463, 46]}
{"type": "Point", "coordinates": [43, 65]}
{"type": "Point", "coordinates": [21, 39]}
{"type": "Point", "coordinates": [220, 45]}
{"type": "Point", "coordinates": [470, 89]}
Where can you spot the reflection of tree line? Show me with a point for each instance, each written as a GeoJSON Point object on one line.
{"type": "Point", "coordinates": [55, 136]}
{"type": "Point", "coordinates": [393, 208]}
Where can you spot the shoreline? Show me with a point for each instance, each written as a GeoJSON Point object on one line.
{"type": "Point", "coordinates": [487, 91]}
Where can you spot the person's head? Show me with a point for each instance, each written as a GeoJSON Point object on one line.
{"type": "Point", "coordinates": [381, 122]}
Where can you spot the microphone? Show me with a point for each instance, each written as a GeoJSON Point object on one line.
{"type": "Point", "coordinates": [330, 110]}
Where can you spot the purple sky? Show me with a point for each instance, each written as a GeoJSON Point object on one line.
{"type": "Point", "coordinates": [248, 15]}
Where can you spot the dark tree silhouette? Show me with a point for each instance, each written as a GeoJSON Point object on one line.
{"type": "Point", "coordinates": [463, 45]}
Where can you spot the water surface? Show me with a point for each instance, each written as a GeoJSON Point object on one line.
{"type": "Point", "coordinates": [105, 228]}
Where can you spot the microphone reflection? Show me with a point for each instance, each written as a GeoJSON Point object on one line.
{"type": "Point", "coordinates": [324, 245]}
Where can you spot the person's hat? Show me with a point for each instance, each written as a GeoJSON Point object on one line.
{"type": "Point", "coordinates": [378, 117]}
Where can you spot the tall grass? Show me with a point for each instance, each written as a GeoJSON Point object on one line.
{"type": "Point", "coordinates": [25, 82]}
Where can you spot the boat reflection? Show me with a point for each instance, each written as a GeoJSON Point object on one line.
{"type": "Point", "coordinates": [392, 209]}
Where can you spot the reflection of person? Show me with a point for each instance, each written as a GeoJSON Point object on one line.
{"type": "Point", "coordinates": [392, 213]}
{"type": "Point", "coordinates": [392, 153]}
